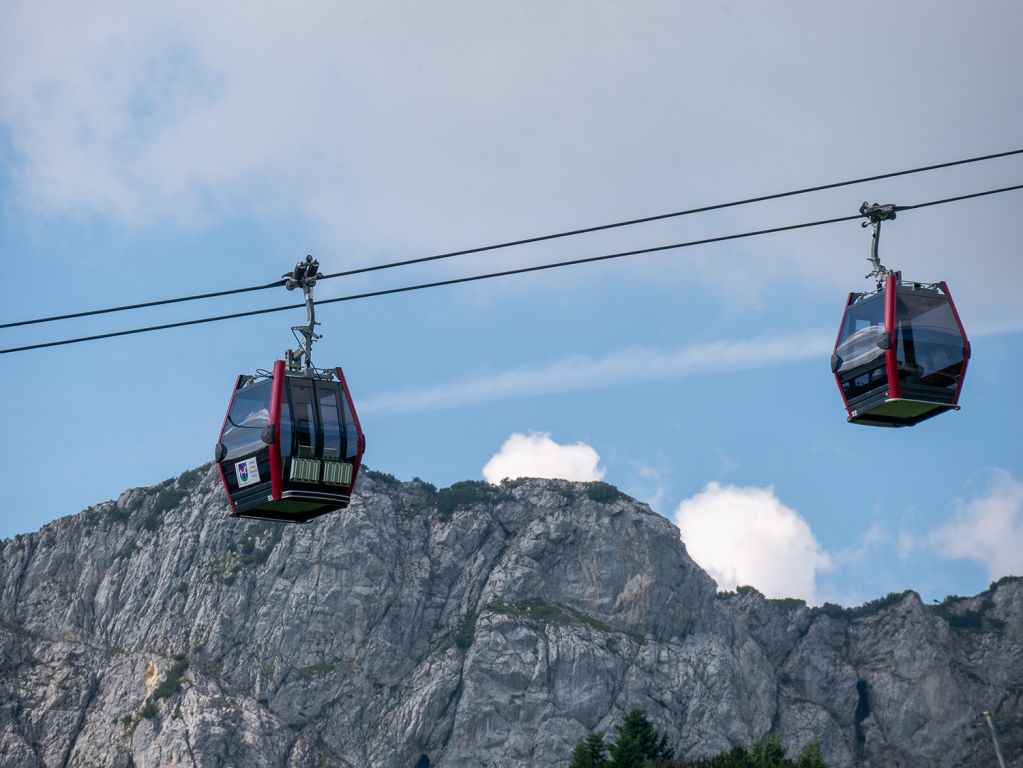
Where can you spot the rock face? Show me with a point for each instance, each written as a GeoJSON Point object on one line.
{"type": "Point", "coordinates": [471, 626]}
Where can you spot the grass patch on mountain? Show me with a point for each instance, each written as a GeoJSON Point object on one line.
{"type": "Point", "coordinates": [171, 683]}
{"type": "Point", "coordinates": [969, 619]}
{"type": "Point", "coordinates": [834, 610]}
{"type": "Point", "coordinates": [117, 514]}
{"type": "Point", "coordinates": [463, 635]}
{"type": "Point", "coordinates": [384, 478]}
{"type": "Point", "coordinates": [467, 493]}
{"type": "Point", "coordinates": [603, 493]}
{"type": "Point", "coordinates": [256, 544]}
{"type": "Point", "coordinates": [557, 614]}
{"type": "Point", "coordinates": [787, 604]}
{"type": "Point", "coordinates": [874, 607]}
{"type": "Point", "coordinates": [316, 671]}
{"type": "Point", "coordinates": [168, 498]}
{"type": "Point", "coordinates": [191, 477]}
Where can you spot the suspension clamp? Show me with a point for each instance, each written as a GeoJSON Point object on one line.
{"type": "Point", "coordinates": [303, 275]}
{"type": "Point", "coordinates": [876, 213]}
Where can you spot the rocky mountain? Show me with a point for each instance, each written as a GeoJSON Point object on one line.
{"type": "Point", "coordinates": [472, 626]}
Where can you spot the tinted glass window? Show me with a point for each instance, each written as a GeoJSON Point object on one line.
{"type": "Point", "coordinates": [249, 414]}
{"type": "Point", "coordinates": [330, 418]}
{"type": "Point", "coordinates": [929, 346]}
{"type": "Point", "coordinates": [861, 367]}
{"type": "Point", "coordinates": [351, 433]}
{"type": "Point", "coordinates": [864, 381]}
{"type": "Point", "coordinates": [303, 417]}
{"type": "Point", "coordinates": [285, 436]}
{"type": "Point", "coordinates": [863, 328]}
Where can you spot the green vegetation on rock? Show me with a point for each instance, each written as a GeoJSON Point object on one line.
{"type": "Point", "coordinates": [639, 745]}
{"type": "Point", "coordinates": [603, 493]}
{"type": "Point", "coordinates": [465, 494]}
{"type": "Point", "coordinates": [171, 683]}
{"type": "Point", "coordinates": [385, 478]}
{"type": "Point", "coordinates": [315, 671]}
{"type": "Point", "coordinates": [557, 614]}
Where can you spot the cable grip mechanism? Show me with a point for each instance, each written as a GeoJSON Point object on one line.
{"type": "Point", "coordinates": [304, 276]}
{"type": "Point", "coordinates": [876, 213]}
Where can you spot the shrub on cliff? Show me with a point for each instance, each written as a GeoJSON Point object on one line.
{"type": "Point", "coordinates": [639, 745]}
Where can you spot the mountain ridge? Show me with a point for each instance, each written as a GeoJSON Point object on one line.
{"type": "Point", "coordinates": [472, 625]}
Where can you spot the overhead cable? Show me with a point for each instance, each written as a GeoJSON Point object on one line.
{"type": "Point", "coordinates": [503, 273]}
{"type": "Point", "coordinates": [143, 305]}
{"type": "Point", "coordinates": [676, 214]}
{"type": "Point", "coordinates": [522, 241]}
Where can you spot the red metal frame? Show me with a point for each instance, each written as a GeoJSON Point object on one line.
{"type": "Point", "coordinates": [276, 463]}
{"type": "Point", "coordinates": [966, 342]}
{"type": "Point", "coordinates": [841, 325]}
{"type": "Point", "coordinates": [358, 424]}
{"type": "Point", "coordinates": [890, 359]}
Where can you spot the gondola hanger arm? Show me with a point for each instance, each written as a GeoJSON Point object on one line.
{"type": "Point", "coordinates": [876, 213]}
{"type": "Point", "coordinates": [304, 276]}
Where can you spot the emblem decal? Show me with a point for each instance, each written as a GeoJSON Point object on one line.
{"type": "Point", "coordinates": [247, 471]}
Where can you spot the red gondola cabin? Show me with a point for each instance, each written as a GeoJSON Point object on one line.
{"type": "Point", "coordinates": [901, 354]}
{"type": "Point", "coordinates": [290, 446]}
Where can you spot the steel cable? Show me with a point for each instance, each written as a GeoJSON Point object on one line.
{"type": "Point", "coordinates": [522, 241]}
{"type": "Point", "coordinates": [503, 273]}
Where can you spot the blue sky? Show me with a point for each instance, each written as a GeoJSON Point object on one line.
{"type": "Point", "coordinates": [173, 149]}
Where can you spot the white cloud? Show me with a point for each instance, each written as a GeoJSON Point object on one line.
{"type": "Point", "coordinates": [580, 372]}
{"type": "Point", "coordinates": [462, 123]}
{"type": "Point", "coordinates": [988, 529]}
{"type": "Point", "coordinates": [748, 536]}
{"type": "Point", "coordinates": [536, 455]}
{"type": "Point", "coordinates": [875, 538]}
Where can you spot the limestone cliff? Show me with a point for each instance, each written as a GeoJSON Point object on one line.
{"type": "Point", "coordinates": [471, 626]}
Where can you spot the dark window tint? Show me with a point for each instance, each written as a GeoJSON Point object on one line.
{"type": "Point", "coordinates": [285, 435]}
{"type": "Point", "coordinates": [249, 414]}
{"type": "Point", "coordinates": [929, 346]}
{"type": "Point", "coordinates": [861, 367]}
{"type": "Point", "coordinates": [330, 418]}
{"type": "Point", "coordinates": [862, 329]}
{"type": "Point", "coordinates": [303, 417]}
{"type": "Point", "coordinates": [864, 381]}
{"type": "Point", "coordinates": [351, 432]}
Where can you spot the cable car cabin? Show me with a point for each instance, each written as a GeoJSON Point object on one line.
{"type": "Point", "coordinates": [291, 446]}
{"type": "Point", "coordinates": [901, 354]}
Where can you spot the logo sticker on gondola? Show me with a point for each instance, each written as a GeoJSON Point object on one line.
{"type": "Point", "coordinates": [248, 472]}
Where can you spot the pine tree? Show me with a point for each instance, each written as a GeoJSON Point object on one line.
{"type": "Point", "coordinates": [590, 752]}
{"type": "Point", "coordinates": [810, 757]}
{"type": "Point", "coordinates": [638, 744]}
{"type": "Point", "coordinates": [769, 752]}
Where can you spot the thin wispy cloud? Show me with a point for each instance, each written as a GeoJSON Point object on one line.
{"type": "Point", "coordinates": [577, 373]}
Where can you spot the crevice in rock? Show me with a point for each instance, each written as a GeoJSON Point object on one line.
{"type": "Point", "coordinates": [862, 713]}
{"type": "Point", "coordinates": [80, 722]}
{"type": "Point", "coordinates": [188, 745]}
{"type": "Point", "coordinates": [453, 699]}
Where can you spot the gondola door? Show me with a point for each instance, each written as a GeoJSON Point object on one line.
{"type": "Point", "coordinates": [247, 454]}
{"type": "Point", "coordinates": [321, 446]}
